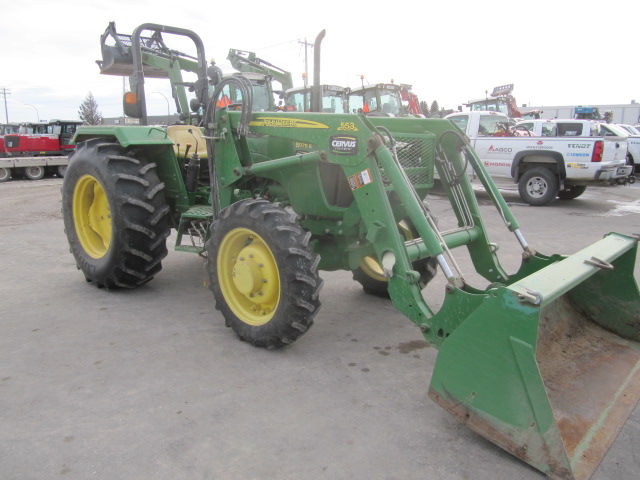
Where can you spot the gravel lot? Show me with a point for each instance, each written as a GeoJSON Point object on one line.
{"type": "Point", "coordinates": [150, 384]}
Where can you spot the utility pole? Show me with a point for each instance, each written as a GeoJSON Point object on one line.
{"type": "Point", "coordinates": [306, 63]}
{"type": "Point", "coordinates": [5, 92]}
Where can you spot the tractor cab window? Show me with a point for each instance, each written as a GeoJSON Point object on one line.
{"type": "Point", "coordinates": [370, 101]}
{"type": "Point", "coordinates": [376, 100]}
{"type": "Point", "coordinates": [297, 102]}
{"type": "Point", "coordinates": [261, 93]}
{"type": "Point", "coordinates": [333, 102]}
{"type": "Point", "coordinates": [390, 101]}
{"type": "Point", "coordinates": [43, 129]}
{"type": "Point", "coordinates": [69, 128]}
{"type": "Point", "coordinates": [493, 105]}
{"type": "Point", "coordinates": [231, 95]}
{"type": "Point", "coordinates": [356, 103]}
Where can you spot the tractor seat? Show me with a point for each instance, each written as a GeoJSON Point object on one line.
{"type": "Point", "coordinates": [180, 134]}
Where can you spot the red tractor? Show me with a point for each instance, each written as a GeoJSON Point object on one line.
{"type": "Point", "coordinates": [32, 150]}
{"type": "Point", "coordinates": [46, 138]}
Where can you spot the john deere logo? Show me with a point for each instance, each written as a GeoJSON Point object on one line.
{"type": "Point", "coordinates": [344, 145]}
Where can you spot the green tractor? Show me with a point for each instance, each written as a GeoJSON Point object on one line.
{"type": "Point", "coordinates": [532, 360]}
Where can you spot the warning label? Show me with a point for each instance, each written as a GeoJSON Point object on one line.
{"type": "Point", "coordinates": [360, 179]}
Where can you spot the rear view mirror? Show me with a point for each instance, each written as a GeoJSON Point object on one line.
{"type": "Point", "coordinates": [132, 105]}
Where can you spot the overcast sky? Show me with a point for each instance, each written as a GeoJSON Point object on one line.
{"type": "Point", "coordinates": [555, 52]}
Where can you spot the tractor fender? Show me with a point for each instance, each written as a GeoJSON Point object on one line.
{"type": "Point", "coordinates": [125, 135]}
{"type": "Point", "coordinates": [152, 142]}
{"type": "Point", "coordinates": [522, 160]}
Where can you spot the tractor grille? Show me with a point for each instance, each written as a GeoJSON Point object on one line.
{"type": "Point", "coordinates": [416, 156]}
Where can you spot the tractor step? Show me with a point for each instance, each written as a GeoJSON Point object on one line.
{"type": "Point", "coordinates": [194, 223]}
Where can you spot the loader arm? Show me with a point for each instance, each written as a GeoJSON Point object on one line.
{"type": "Point", "coordinates": [372, 169]}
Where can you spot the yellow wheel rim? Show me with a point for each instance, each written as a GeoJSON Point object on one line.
{"type": "Point", "coordinates": [371, 266]}
{"type": "Point", "coordinates": [92, 216]}
{"type": "Point", "coordinates": [248, 276]}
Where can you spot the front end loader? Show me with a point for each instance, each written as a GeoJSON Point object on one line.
{"type": "Point", "coordinates": [544, 362]}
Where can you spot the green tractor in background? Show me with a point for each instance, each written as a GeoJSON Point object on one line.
{"type": "Point", "coordinates": [271, 198]}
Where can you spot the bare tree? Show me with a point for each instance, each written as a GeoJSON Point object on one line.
{"type": "Point", "coordinates": [89, 113]}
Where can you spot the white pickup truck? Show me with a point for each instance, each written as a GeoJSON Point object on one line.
{"type": "Point", "coordinates": [543, 167]}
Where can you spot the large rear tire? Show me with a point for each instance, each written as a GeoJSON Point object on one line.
{"type": "Point", "coordinates": [264, 275]}
{"type": "Point", "coordinates": [115, 215]}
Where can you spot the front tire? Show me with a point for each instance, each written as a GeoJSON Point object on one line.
{"type": "Point", "coordinates": [370, 275]}
{"type": "Point", "coordinates": [538, 186]}
{"type": "Point", "coordinates": [5, 174]}
{"type": "Point", "coordinates": [115, 215]}
{"type": "Point", "coordinates": [264, 275]}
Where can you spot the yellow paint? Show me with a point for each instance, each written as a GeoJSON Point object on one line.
{"type": "Point", "coordinates": [248, 276]}
{"type": "Point", "coordinates": [92, 216]}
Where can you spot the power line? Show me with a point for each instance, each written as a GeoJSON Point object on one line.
{"type": "Point", "coordinates": [5, 92]}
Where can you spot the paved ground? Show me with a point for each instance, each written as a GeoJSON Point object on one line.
{"type": "Point", "coordinates": [150, 384]}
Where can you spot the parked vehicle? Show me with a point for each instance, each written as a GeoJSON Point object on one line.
{"type": "Point", "coordinates": [633, 141]}
{"type": "Point", "coordinates": [34, 149]}
{"type": "Point", "coordinates": [543, 167]}
{"type": "Point", "coordinates": [630, 128]}
{"type": "Point", "coordinates": [586, 128]}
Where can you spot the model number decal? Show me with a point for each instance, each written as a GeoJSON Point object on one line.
{"type": "Point", "coordinates": [349, 126]}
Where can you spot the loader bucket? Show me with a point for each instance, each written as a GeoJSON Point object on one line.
{"type": "Point", "coordinates": [548, 368]}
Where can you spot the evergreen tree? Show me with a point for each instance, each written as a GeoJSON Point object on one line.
{"type": "Point", "coordinates": [424, 106]}
{"type": "Point", "coordinates": [89, 113]}
{"type": "Point", "coordinates": [435, 109]}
